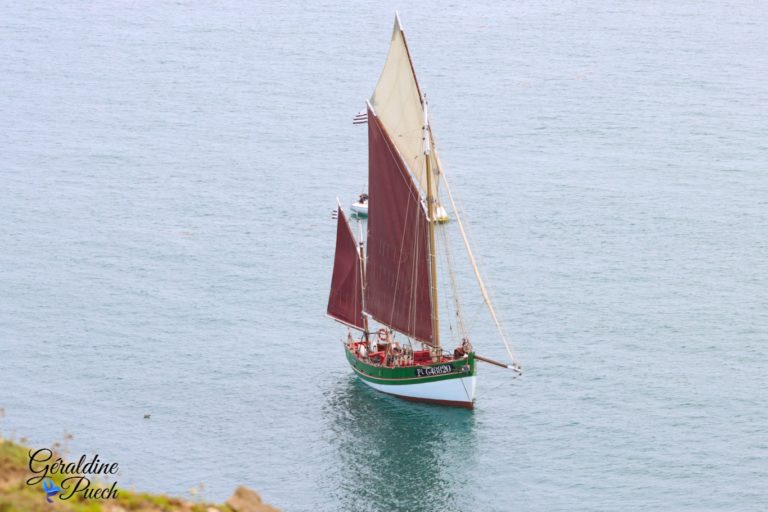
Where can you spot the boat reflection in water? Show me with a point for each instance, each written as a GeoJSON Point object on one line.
{"type": "Point", "coordinates": [394, 455]}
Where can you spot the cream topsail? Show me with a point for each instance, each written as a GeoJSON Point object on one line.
{"type": "Point", "coordinates": [398, 104]}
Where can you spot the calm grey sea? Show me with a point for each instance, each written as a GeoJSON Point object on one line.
{"type": "Point", "coordinates": [167, 172]}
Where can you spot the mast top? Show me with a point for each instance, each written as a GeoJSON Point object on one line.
{"type": "Point", "coordinates": [398, 23]}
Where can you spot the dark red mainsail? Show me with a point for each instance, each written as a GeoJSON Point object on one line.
{"type": "Point", "coordinates": [345, 302]}
{"type": "Point", "coordinates": [397, 269]}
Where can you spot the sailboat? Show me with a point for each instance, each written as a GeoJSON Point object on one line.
{"type": "Point", "coordinates": [390, 276]}
{"type": "Point", "coordinates": [360, 208]}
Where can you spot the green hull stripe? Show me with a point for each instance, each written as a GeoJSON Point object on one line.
{"type": "Point", "coordinates": [407, 375]}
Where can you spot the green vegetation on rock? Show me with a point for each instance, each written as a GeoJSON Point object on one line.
{"type": "Point", "coordinates": [17, 496]}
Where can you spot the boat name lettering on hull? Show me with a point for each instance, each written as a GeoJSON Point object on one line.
{"type": "Point", "coordinates": [434, 370]}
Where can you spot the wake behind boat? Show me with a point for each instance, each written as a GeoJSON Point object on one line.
{"type": "Point", "coordinates": [391, 277]}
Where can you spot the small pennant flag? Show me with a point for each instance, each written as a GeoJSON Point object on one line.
{"type": "Point", "coordinates": [361, 117]}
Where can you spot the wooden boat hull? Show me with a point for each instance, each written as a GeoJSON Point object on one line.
{"type": "Point", "coordinates": [451, 383]}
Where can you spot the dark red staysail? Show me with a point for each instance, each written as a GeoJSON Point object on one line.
{"type": "Point", "coordinates": [397, 269]}
{"type": "Point", "coordinates": [345, 302]}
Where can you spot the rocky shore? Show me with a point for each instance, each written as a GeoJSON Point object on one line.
{"type": "Point", "coordinates": [17, 496]}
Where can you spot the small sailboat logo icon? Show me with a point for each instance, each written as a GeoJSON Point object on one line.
{"type": "Point", "coordinates": [50, 488]}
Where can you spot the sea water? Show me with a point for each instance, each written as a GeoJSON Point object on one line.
{"type": "Point", "coordinates": [167, 175]}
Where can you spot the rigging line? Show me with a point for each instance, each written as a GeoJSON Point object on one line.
{"type": "Point", "coordinates": [444, 281]}
{"type": "Point", "coordinates": [470, 241]}
{"type": "Point", "coordinates": [410, 175]}
{"type": "Point", "coordinates": [412, 299]}
{"type": "Point", "coordinates": [408, 179]}
{"type": "Point", "coordinates": [450, 276]}
{"type": "Point", "coordinates": [456, 332]}
{"type": "Point", "coordinates": [414, 295]}
{"type": "Point", "coordinates": [475, 314]}
{"type": "Point", "coordinates": [465, 389]}
{"type": "Point", "coordinates": [399, 261]}
{"type": "Point", "coordinates": [398, 156]}
{"type": "Point", "coordinates": [414, 280]}
{"type": "Point", "coordinates": [454, 284]}
{"type": "Point", "coordinates": [480, 262]}
{"type": "Point", "coordinates": [483, 290]}
{"type": "Point", "coordinates": [419, 254]}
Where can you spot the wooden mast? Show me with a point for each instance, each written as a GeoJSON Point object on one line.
{"type": "Point", "coordinates": [361, 252]}
{"type": "Point", "coordinates": [432, 247]}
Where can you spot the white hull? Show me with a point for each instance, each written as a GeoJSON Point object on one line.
{"type": "Point", "coordinates": [360, 208]}
{"type": "Point", "coordinates": [452, 391]}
